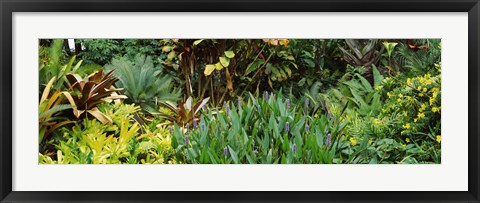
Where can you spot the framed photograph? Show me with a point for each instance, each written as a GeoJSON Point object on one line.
{"type": "Point", "coordinates": [265, 101]}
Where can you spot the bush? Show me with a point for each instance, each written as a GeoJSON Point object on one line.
{"type": "Point", "coordinates": [143, 83]}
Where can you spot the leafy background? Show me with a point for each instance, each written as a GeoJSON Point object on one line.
{"type": "Point", "coordinates": [240, 101]}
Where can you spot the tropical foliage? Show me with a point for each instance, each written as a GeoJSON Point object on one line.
{"type": "Point", "coordinates": [240, 101]}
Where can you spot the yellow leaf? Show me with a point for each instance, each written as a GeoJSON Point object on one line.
{"type": "Point", "coordinates": [284, 42]}
{"type": "Point", "coordinates": [46, 91]}
{"type": "Point", "coordinates": [171, 55]}
{"type": "Point", "coordinates": [72, 102]}
{"type": "Point", "coordinates": [224, 61]}
{"type": "Point", "coordinates": [218, 66]}
{"type": "Point", "coordinates": [167, 48]}
{"type": "Point", "coordinates": [273, 42]}
{"type": "Point", "coordinates": [54, 99]}
{"type": "Point", "coordinates": [209, 69]}
{"type": "Point", "coordinates": [196, 42]}
{"type": "Point", "coordinates": [100, 116]}
{"type": "Point", "coordinates": [270, 82]}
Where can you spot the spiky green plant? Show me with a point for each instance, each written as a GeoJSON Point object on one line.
{"type": "Point", "coordinates": [143, 83]}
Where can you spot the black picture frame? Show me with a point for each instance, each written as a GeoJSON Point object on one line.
{"type": "Point", "coordinates": [8, 7]}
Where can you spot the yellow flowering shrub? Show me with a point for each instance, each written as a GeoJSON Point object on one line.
{"type": "Point", "coordinates": [414, 107]}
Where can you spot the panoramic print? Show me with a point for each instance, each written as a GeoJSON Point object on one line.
{"type": "Point", "coordinates": [239, 101]}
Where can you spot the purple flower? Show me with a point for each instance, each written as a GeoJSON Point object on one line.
{"type": "Point", "coordinates": [329, 139]}
{"type": "Point", "coordinates": [186, 140]}
{"type": "Point", "coordinates": [287, 126]}
{"type": "Point", "coordinates": [294, 148]}
{"type": "Point", "coordinates": [187, 126]}
{"type": "Point", "coordinates": [225, 151]}
{"type": "Point", "coordinates": [265, 96]}
{"type": "Point", "coordinates": [203, 126]}
{"type": "Point", "coordinates": [228, 110]}
{"type": "Point", "coordinates": [194, 124]}
{"type": "Point", "coordinates": [307, 102]}
{"type": "Point", "coordinates": [329, 115]}
{"type": "Point", "coordinates": [307, 127]}
{"type": "Point", "coordinates": [239, 102]}
{"type": "Point", "coordinates": [288, 103]}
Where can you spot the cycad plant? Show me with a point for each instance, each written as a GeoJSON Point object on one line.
{"type": "Point", "coordinates": [418, 61]}
{"type": "Point", "coordinates": [143, 83]}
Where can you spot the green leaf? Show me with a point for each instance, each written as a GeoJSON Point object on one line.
{"type": "Point", "coordinates": [275, 71]}
{"type": "Point", "coordinates": [301, 82]}
{"type": "Point", "coordinates": [365, 83]}
{"type": "Point", "coordinates": [55, 109]}
{"type": "Point", "coordinates": [377, 77]}
{"type": "Point", "coordinates": [268, 68]}
{"type": "Point", "coordinates": [234, 155]}
{"type": "Point", "coordinates": [250, 159]}
{"type": "Point", "coordinates": [309, 63]}
{"type": "Point", "coordinates": [254, 66]}
{"type": "Point", "coordinates": [291, 58]}
{"type": "Point", "coordinates": [284, 160]}
{"type": "Point", "coordinates": [229, 54]}
{"type": "Point", "coordinates": [288, 71]}
{"type": "Point", "coordinates": [192, 153]}
{"type": "Point", "coordinates": [389, 46]}
{"type": "Point", "coordinates": [269, 156]}
{"type": "Point", "coordinates": [213, 156]}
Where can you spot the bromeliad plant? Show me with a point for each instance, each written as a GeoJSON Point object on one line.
{"type": "Point", "coordinates": [49, 110]}
{"type": "Point", "coordinates": [363, 53]}
{"type": "Point", "coordinates": [184, 112]}
{"type": "Point", "coordinates": [90, 141]}
{"type": "Point", "coordinates": [87, 93]}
